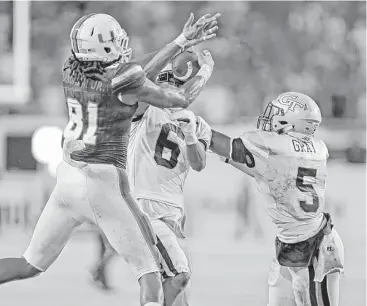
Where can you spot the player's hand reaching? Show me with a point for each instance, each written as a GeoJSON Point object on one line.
{"type": "Point", "coordinates": [204, 57]}
{"type": "Point", "coordinates": [187, 121]}
{"type": "Point", "coordinates": [194, 33]}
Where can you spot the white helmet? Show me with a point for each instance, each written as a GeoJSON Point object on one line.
{"type": "Point", "coordinates": [291, 112]}
{"type": "Point", "coordinates": [99, 37]}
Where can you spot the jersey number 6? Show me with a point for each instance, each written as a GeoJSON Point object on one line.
{"type": "Point", "coordinates": [164, 142]}
{"type": "Point", "coordinates": [302, 172]}
{"type": "Point", "coordinates": [82, 126]}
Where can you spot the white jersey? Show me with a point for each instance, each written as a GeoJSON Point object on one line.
{"type": "Point", "coordinates": [157, 159]}
{"type": "Point", "coordinates": [291, 174]}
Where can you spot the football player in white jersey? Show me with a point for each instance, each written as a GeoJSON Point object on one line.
{"type": "Point", "coordinates": [160, 154]}
{"type": "Point", "coordinates": [164, 145]}
{"type": "Point", "coordinates": [290, 167]}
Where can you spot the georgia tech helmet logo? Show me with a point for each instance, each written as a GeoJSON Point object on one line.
{"type": "Point", "coordinates": [290, 101]}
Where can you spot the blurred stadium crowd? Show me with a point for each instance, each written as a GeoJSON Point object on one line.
{"type": "Point", "coordinates": [262, 49]}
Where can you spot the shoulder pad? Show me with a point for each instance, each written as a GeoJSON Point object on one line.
{"type": "Point", "coordinates": [128, 76]}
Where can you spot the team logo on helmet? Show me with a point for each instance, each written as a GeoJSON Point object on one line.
{"type": "Point", "coordinates": [291, 101]}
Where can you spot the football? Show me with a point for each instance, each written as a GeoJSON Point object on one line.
{"type": "Point", "coordinates": [185, 66]}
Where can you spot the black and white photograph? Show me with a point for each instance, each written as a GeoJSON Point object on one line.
{"type": "Point", "coordinates": [183, 153]}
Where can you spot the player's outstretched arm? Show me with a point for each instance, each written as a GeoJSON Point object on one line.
{"type": "Point", "coordinates": [168, 97]}
{"type": "Point", "coordinates": [143, 106]}
{"type": "Point", "coordinates": [221, 144]}
{"type": "Point", "coordinates": [196, 155]}
{"type": "Point", "coordinates": [192, 34]}
{"type": "Point", "coordinates": [233, 152]}
{"type": "Point", "coordinates": [197, 136]}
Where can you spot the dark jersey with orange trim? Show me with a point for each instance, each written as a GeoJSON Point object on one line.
{"type": "Point", "coordinates": [97, 116]}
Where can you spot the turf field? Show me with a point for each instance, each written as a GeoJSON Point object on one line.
{"type": "Point", "coordinates": [226, 271]}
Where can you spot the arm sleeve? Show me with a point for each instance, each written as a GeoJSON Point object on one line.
{"type": "Point", "coordinates": [128, 76]}
{"type": "Point", "coordinates": [246, 147]}
{"type": "Point", "coordinates": [238, 150]}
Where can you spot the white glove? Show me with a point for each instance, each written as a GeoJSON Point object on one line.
{"type": "Point", "coordinates": [187, 121]}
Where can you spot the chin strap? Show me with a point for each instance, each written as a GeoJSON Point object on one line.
{"type": "Point", "coordinates": [286, 129]}
{"type": "Point", "coordinates": [300, 136]}
{"type": "Point", "coordinates": [103, 64]}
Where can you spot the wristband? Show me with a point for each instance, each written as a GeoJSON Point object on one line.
{"type": "Point", "coordinates": [181, 41]}
{"type": "Point", "coordinates": [205, 71]}
{"type": "Point", "coordinates": [191, 139]}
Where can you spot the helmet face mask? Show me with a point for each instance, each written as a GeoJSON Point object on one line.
{"type": "Point", "coordinates": [264, 122]}
{"type": "Point", "coordinates": [122, 45]}
{"type": "Point", "coordinates": [291, 112]}
{"type": "Point", "coordinates": [167, 76]}
{"type": "Point", "coordinates": [99, 37]}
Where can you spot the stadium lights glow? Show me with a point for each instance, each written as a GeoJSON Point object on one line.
{"type": "Point", "coordinates": [46, 147]}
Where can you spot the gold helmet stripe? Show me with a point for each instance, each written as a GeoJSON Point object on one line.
{"type": "Point", "coordinates": [74, 31]}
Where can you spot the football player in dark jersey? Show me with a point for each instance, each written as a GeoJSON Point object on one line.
{"type": "Point", "coordinates": [101, 89]}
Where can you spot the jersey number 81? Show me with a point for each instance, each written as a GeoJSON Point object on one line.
{"type": "Point", "coordinates": [82, 125]}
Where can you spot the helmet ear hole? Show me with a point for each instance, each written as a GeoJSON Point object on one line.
{"type": "Point", "coordinates": [108, 50]}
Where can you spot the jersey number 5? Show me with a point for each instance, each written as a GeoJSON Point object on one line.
{"type": "Point", "coordinates": [164, 142]}
{"type": "Point", "coordinates": [302, 172]}
{"type": "Point", "coordinates": [82, 126]}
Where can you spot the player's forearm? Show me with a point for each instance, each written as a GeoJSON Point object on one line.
{"type": "Point", "coordinates": [232, 148]}
{"type": "Point", "coordinates": [192, 88]}
{"type": "Point", "coordinates": [160, 60]}
{"type": "Point", "coordinates": [196, 155]}
{"type": "Point", "coordinates": [221, 144]}
{"type": "Point", "coordinates": [169, 97]}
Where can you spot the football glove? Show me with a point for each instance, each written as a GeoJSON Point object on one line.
{"type": "Point", "coordinates": [187, 121]}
